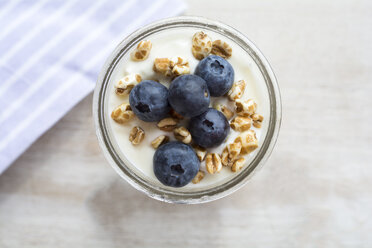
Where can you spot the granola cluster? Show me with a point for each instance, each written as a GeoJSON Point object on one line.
{"type": "Point", "coordinates": [213, 163]}
{"type": "Point", "coordinates": [126, 84]}
{"type": "Point", "coordinates": [171, 67]}
{"type": "Point", "coordinates": [236, 90]}
{"type": "Point", "coordinates": [202, 46]}
{"type": "Point", "coordinates": [228, 113]}
{"type": "Point", "coordinates": [142, 51]}
{"type": "Point", "coordinates": [136, 135]}
{"type": "Point", "coordinates": [161, 140]}
{"type": "Point", "coordinates": [222, 49]}
{"type": "Point", "coordinates": [122, 113]}
{"type": "Point", "coordinates": [167, 124]}
{"type": "Point", "coordinates": [182, 134]}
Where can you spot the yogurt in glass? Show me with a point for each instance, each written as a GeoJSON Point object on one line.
{"type": "Point", "coordinates": [176, 41]}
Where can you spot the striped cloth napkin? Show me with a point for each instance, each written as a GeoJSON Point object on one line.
{"type": "Point", "coordinates": [50, 55]}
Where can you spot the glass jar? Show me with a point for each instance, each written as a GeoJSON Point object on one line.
{"type": "Point", "coordinates": [120, 163]}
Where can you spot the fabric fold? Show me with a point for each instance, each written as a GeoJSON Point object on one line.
{"type": "Point", "coordinates": [50, 55]}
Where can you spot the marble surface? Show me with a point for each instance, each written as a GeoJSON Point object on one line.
{"type": "Point", "coordinates": [315, 190]}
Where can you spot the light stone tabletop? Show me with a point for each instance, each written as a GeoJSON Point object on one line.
{"type": "Point", "coordinates": [314, 191]}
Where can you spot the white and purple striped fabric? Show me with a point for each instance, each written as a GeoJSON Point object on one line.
{"type": "Point", "coordinates": [50, 55]}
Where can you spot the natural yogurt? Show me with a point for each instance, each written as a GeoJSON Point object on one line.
{"type": "Point", "coordinates": [177, 42]}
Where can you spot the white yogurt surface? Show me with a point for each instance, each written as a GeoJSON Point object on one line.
{"type": "Point", "coordinates": [168, 44]}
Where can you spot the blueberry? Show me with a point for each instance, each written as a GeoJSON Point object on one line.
{"type": "Point", "coordinates": [189, 95]}
{"type": "Point", "coordinates": [209, 129]}
{"type": "Point", "coordinates": [149, 101]}
{"type": "Point", "coordinates": [175, 164]}
{"type": "Point", "coordinates": [217, 72]}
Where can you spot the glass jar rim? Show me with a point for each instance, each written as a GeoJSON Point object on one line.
{"type": "Point", "coordinates": [165, 194]}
